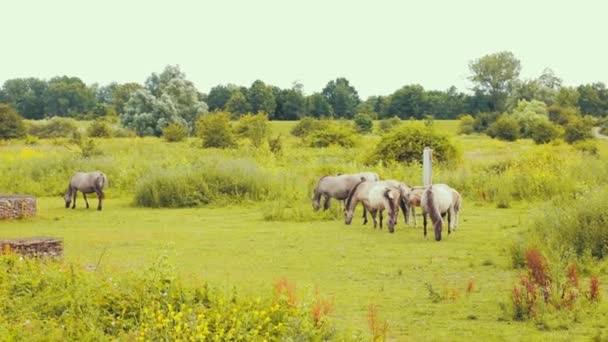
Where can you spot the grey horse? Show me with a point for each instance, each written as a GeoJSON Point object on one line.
{"type": "Point", "coordinates": [338, 187]}
{"type": "Point", "coordinates": [87, 183]}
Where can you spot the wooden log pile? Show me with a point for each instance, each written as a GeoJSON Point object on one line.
{"type": "Point", "coordinates": [17, 206]}
{"type": "Point", "coordinates": [36, 247]}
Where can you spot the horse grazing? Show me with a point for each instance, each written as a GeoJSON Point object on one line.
{"type": "Point", "coordinates": [438, 201]}
{"type": "Point", "coordinates": [87, 183]}
{"type": "Point", "coordinates": [338, 187]}
{"type": "Point", "coordinates": [375, 196]}
{"type": "Point", "coordinates": [413, 200]}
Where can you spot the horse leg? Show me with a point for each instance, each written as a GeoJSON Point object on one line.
{"type": "Point", "coordinates": [364, 215]}
{"type": "Point", "coordinates": [424, 222]}
{"type": "Point", "coordinates": [74, 199]}
{"type": "Point", "coordinates": [373, 212]}
{"type": "Point", "coordinates": [451, 218]}
{"type": "Point", "coordinates": [326, 203]}
{"type": "Point", "coordinates": [99, 199]}
{"type": "Point", "coordinates": [85, 199]}
{"type": "Point", "coordinates": [414, 215]}
{"type": "Point", "coordinates": [381, 214]}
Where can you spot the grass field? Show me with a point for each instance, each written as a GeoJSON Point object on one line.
{"type": "Point", "coordinates": [355, 265]}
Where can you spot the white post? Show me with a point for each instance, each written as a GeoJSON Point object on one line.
{"type": "Point", "coordinates": [427, 166]}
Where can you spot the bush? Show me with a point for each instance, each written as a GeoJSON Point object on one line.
{"type": "Point", "coordinates": [465, 125]}
{"type": "Point", "coordinates": [254, 127]}
{"type": "Point", "coordinates": [212, 181]}
{"type": "Point", "coordinates": [577, 130]}
{"type": "Point", "coordinates": [543, 131]}
{"type": "Point", "coordinates": [505, 128]}
{"type": "Point", "coordinates": [388, 124]}
{"type": "Point", "coordinates": [407, 143]}
{"type": "Point", "coordinates": [308, 125]}
{"type": "Point", "coordinates": [56, 127]}
{"type": "Point", "coordinates": [576, 226]}
{"type": "Point", "coordinates": [587, 146]}
{"type": "Point", "coordinates": [483, 121]}
{"type": "Point", "coordinates": [215, 130]}
{"type": "Point", "coordinates": [332, 135]}
{"type": "Point", "coordinates": [99, 129]}
{"type": "Point", "coordinates": [175, 132]}
{"type": "Point", "coordinates": [57, 301]}
{"type": "Point", "coordinates": [363, 123]}
{"type": "Point", "coordinates": [11, 123]}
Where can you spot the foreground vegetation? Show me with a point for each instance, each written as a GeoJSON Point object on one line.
{"type": "Point", "coordinates": [245, 220]}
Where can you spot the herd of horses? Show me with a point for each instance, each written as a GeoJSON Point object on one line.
{"type": "Point", "coordinates": [376, 196]}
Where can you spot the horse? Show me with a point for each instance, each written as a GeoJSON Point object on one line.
{"type": "Point", "coordinates": [413, 200]}
{"type": "Point", "coordinates": [87, 183]}
{"type": "Point", "coordinates": [376, 196]}
{"type": "Point", "coordinates": [338, 187]}
{"type": "Point", "coordinates": [438, 201]}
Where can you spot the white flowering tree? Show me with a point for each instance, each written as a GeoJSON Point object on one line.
{"type": "Point", "coordinates": [166, 98]}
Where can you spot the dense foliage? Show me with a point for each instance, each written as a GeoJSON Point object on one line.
{"type": "Point", "coordinates": [11, 123]}
{"type": "Point", "coordinates": [407, 143]}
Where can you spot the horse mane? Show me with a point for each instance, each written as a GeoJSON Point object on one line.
{"type": "Point", "coordinates": [391, 205]}
{"type": "Point", "coordinates": [433, 212]}
{"type": "Point", "coordinates": [351, 193]}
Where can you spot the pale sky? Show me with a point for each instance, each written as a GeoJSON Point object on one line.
{"type": "Point", "coordinates": [378, 45]}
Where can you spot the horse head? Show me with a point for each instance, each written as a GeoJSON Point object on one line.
{"type": "Point", "coordinates": [68, 198]}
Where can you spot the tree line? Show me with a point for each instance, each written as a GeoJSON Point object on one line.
{"type": "Point", "coordinates": [169, 97]}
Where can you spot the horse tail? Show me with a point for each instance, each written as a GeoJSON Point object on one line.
{"type": "Point", "coordinates": [349, 199]}
{"type": "Point", "coordinates": [433, 211]}
{"type": "Point", "coordinates": [101, 183]}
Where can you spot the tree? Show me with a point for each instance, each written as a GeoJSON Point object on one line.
{"type": "Point", "coordinates": [527, 113]}
{"type": "Point", "coordinates": [445, 104]}
{"type": "Point", "coordinates": [495, 75]}
{"type": "Point", "coordinates": [215, 130]}
{"type": "Point", "coordinates": [237, 104]}
{"type": "Point", "coordinates": [217, 97]}
{"type": "Point", "coordinates": [505, 128]}
{"type": "Point", "coordinates": [363, 123]}
{"type": "Point", "coordinates": [68, 96]}
{"type": "Point", "coordinates": [318, 106]}
{"type": "Point", "coordinates": [121, 94]}
{"type": "Point", "coordinates": [261, 98]}
{"type": "Point", "coordinates": [167, 98]}
{"type": "Point", "coordinates": [567, 97]}
{"type": "Point", "coordinates": [26, 95]}
{"type": "Point", "coordinates": [291, 103]}
{"type": "Point", "coordinates": [342, 97]}
{"type": "Point", "coordinates": [409, 101]}
{"type": "Point", "coordinates": [254, 127]}
{"type": "Point", "coordinates": [11, 123]}
{"type": "Point", "coordinates": [593, 99]}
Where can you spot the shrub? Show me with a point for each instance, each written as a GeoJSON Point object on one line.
{"type": "Point", "coordinates": [11, 123]}
{"type": "Point", "coordinates": [465, 125]}
{"type": "Point", "coordinates": [407, 143]}
{"type": "Point", "coordinates": [483, 121]}
{"type": "Point", "coordinates": [99, 129]}
{"type": "Point", "coordinates": [505, 128]}
{"type": "Point", "coordinates": [211, 181]}
{"type": "Point", "coordinates": [56, 127]}
{"type": "Point", "coordinates": [254, 127]}
{"type": "Point", "coordinates": [587, 146]}
{"type": "Point", "coordinates": [308, 125]}
{"type": "Point", "coordinates": [388, 124]}
{"type": "Point", "coordinates": [175, 132]}
{"type": "Point", "coordinates": [575, 226]}
{"type": "Point", "coordinates": [577, 130]}
{"type": "Point", "coordinates": [543, 131]}
{"type": "Point", "coordinates": [363, 123]}
{"type": "Point", "coordinates": [332, 135]}
{"type": "Point", "coordinates": [215, 130]}
{"type": "Point", "coordinates": [62, 302]}
{"type": "Point", "coordinates": [89, 148]}
{"type": "Point", "coordinates": [276, 145]}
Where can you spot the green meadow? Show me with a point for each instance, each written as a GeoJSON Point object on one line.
{"type": "Point", "coordinates": [456, 289]}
